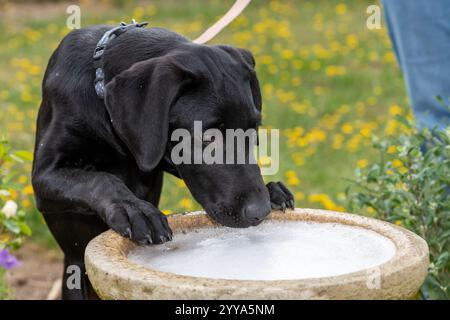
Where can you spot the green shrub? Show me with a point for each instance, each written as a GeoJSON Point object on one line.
{"type": "Point", "coordinates": [13, 229]}
{"type": "Point", "coordinates": [408, 184]}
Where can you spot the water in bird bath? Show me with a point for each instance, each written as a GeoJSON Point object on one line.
{"type": "Point", "coordinates": [274, 250]}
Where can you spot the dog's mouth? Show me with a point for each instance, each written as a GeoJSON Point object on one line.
{"type": "Point", "coordinates": [232, 195]}
{"type": "Point", "coordinates": [236, 218]}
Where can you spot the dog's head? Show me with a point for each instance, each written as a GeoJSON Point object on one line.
{"type": "Point", "coordinates": [212, 85]}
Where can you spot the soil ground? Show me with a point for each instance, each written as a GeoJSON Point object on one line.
{"type": "Point", "coordinates": [35, 277]}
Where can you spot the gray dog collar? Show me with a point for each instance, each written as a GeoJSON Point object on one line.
{"type": "Point", "coordinates": [99, 82]}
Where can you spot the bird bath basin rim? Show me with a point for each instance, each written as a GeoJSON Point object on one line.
{"type": "Point", "coordinates": [114, 276]}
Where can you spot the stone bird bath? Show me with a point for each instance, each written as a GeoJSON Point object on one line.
{"type": "Point", "coordinates": [387, 261]}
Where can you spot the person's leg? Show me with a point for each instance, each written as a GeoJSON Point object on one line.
{"type": "Point", "coordinates": [420, 33]}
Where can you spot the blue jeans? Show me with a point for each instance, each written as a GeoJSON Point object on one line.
{"type": "Point", "coordinates": [420, 34]}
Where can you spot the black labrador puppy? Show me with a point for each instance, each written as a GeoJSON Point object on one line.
{"type": "Point", "coordinates": [99, 163]}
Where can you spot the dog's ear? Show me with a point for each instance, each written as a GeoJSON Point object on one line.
{"type": "Point", "coordinates": [246, 57]}
{"type": "Point", "coordinates": [138, 101]}
{"type": "Point", "coordinates": [254, 83]}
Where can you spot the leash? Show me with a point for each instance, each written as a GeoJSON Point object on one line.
{"type": "Point", "coordinates": [232, 14]}
{"type": "Point", "coordinates": [210, 33]}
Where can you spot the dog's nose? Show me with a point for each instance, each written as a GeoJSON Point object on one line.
{"type": "Point", "coordinates": [256, 212]}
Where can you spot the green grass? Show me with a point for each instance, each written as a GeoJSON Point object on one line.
{"type": "Point", "coordinates": [323, 57]}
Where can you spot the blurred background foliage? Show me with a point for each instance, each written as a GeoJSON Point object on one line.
{"type": "Point", "coordinates": [408, 183]}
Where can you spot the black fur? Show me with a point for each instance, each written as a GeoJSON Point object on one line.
{"type": "Point", "coordinates": [99, 164]}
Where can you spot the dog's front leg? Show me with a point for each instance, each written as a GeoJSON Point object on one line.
{"type": "Point", "coordinates": [280, 196]}
{"type": "Point", "coordinates": [108, 196]}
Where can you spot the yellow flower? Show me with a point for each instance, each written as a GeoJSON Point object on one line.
{"type": "Point", "coordinates": [352, 41]}
{"type": "Point", "coordinates": [392, 149]}
{"type": "Point", "coordinates": [397, 163]}
{"type": "Point", "coordinates": [341, 9]}
{"type": "Point", "coordinates": [302, 142]}
{"type": "Point", "coordinates": [287, 54]}
{"type": "Point", "coordinates": [347, 128]}
{"type": "Point", "coordinates": [316, 135]}
{"type": "Point", "coordinates": [395, 110]}
{"type": "Point", "coordinates": [292, 179]}
{"type": "Point", "coordinates": [389, 56]}
{"type": "Point", "coordinates": [332, 71]}
{"type": "Point", "coordinates": [365, 132]}
{"type": "Point", "coordinates": [325, 201]}
{"type": "Point", "coordinates": [299, 196]}
{"type": "Point", "coordinates": [166, 211]}
{"type": "Point", "coordinates": [28, 190]}
{"type": "Point", "coordinates": [180, 183]}
{"type": "Point", "coordinates": [186, 203]}
{"type": "Point", "coordinates": [12, 193]}
{"type": "Point", "coordinates": [34, 70]}
{"type": "Point", "coordinates": [26, 203]}
{"type": "Point", "coordinates": [22, 179]}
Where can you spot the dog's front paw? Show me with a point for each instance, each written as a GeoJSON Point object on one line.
{"type": "Point", "coordinates": [280, 196]}
{"type": "Point", "coordinates": [139, 221]}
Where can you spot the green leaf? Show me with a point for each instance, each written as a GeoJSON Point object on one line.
{"type": "Point", "coordinates": [12, 226]}
{"type": "Point", "coordinates": [15, 244]}
{"type": "Point", "coordinates": [2, 150]}
{"type": "Point", "coordinates": [16, 158]}
{"type": "Point", "coordinates": [24, 155]}
{"type": "Point", "coordinates": [24, 228]}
